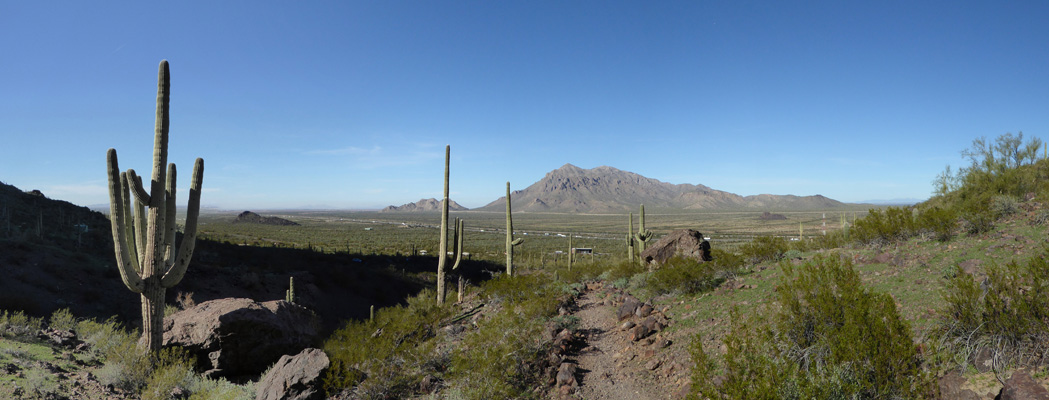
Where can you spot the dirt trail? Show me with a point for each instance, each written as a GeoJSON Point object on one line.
{"type": "Point", "coordinates": [609, 363]}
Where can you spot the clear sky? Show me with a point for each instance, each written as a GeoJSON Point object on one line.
{"type": "Point", "coordinates": [349, 104]}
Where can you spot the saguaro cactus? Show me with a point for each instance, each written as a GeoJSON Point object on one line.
{"type": "Point", "coordinates": [630, 238]}
{"type": "Point", "coordinates": [510, 241]}
{"type": "Point", "coordinates": [145, 246]}
{"type": "Point", "coordinates": [642, 235]}
{"type": "Point", "coordinates": [442, 255]}
{"type": "Point", "coordinates": [571, 251]}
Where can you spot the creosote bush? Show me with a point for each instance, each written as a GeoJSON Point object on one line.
{"type": "Point", "coordinates": [764, 248]}
{"type": "Point", "coordinates": [686, 276]}
{"type": "Point", "coordinates": [1008, 311]}
{"type": "Point", "coordinates": [827, 337]}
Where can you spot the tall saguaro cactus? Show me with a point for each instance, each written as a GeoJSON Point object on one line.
{"type": "Point", "coordinates": [510, 241]}
{"type": "Point", "coordinates": [630, 238]}
{"type": "Point", "coordinates": [443, 252]}
{"type": "Point", "coordinates": [145, 243]}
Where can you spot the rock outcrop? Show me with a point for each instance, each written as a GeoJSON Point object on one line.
{"type": "Point", "coordinates": [295, 377]}
{"type": "Point", "coordinates": [682, 242]}
{"type": "Point", "coordinates": [238, 337]}
{"type": "Point", "coordinates": [249, 217]}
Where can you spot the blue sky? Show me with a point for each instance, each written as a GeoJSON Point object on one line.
{"type": "Point", "coordinates": [348, 104]}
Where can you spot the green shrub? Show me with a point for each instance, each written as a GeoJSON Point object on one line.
{"type": "Point", "coordinates": [938, 222]}
{"type": "Point", "coordinates": [1008, 311]}
{"type": "Point", "coordinates": [1004, 205]}
{"type": "Point", "coordinates": [503, 358]}
{"type": "Point", "coordinates": [621, 270]}
{"type": "Point", "coordinates": [764, 248]}
{"type": "Point", "coordinates": [385, 354]}
{"type": "Point", "coordinates": [684, 275]}
{"type": "Point", "coordinates": [172, 368]}
{"type": "Point", "coordinates": [62, 320]}
{"type": "Point", "coordinates": [828, 337]}
{"type": "Point", "coordinates": [221, 389]}
{"type": "Point", "coordinates": [18, 325]}
{"type": "Point", "coordinates": [880, 227]}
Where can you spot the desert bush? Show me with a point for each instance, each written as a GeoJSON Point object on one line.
{"type": "Point", "coordinates": [62, 320]}
{"type": "Point", "coordinates": [884, 226]}
{"type": "Point", "coordinates": [764, 248]}
{"type": "Point", "coordinates": [827, 337]}
{"type": "Point", "coordinates": [938, 222]}
{"type": "Point", "coordinates": [41, 384]}
{"type": "Point", "coordinates": [221, 389]}
{"type": "Point", "coordinates": [18, 325]}
{"type": "Point", "coordinates": [976, 223]}
{"type": "Point", "coordinates": [624, 269]}
{"type": "Point", "coordinates": [686, 276]}
{"type": "Point", "coordinates": [385, 354]}
{"type": "Point", "coordinates": [1008, 311]}
{"type": "Point", "coordinates": [1004, 205]}
{"type": "Point", "coordinates": [171, 368]}
{"type": "Point", "coordinates": [503, 357]}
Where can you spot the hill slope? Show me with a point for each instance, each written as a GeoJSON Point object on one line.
{"type": "Point", "coordinates": [607, 189]}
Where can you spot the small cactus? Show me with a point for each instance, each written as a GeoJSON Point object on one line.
{"type": "Point", "coordinates": [571, 251]}
{"type": "Point", "coordinates": [145, 245]}
{"type": "Point", "coordinates": [289, 295]}
{"type": "Point", "coordinates": [510, 241]}
{"type": "Point", "coordinates": [643, 235]}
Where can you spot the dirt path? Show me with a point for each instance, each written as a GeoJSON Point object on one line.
{"type": "Point", "coordinates": [609, 363]}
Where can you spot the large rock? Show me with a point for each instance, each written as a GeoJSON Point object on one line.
{"type": "Point", "coordinates": [682, 242]}
{"type": "Point", "coordinates": [1022, 386]}
{"type": "Point", "coordinates": [241, 337]}
{"type": "Point", "coordinates": [295, 377]}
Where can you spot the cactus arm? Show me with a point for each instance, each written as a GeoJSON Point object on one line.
{"type": "Point", "coordinates": [443, 252]}
{"type": "Point", "coordinates": [141, 220]}
{"type": "Point", "coordinates": [129, 225]}
{"type": "Point", "coordinates": [189, 237]}
{"type": "Point", "coordinates": [169, 232]}
{"type": "Point", "coordinates": [137, 188]}
{"type": "Point", "coordinates": [128, 271]}
{"type": "Point", "coordinates": [517, 241]}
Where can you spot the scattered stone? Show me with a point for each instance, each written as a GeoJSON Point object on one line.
{"type": "Point", "coordinates": [295, 377]}
{"type": "Point", "coordinates": [628, 308]}
{"type": "Point", "coordinates": [643, 311]}
{"type": "Point", "coordinates": [59, 338]}
{"type": "Point", "coordinates": [638, 332]}
{"type": "Point", "coordinates": [566, 375]}
{"type": "Point", "coordinates": [653, 364]}
{"type": "Point", "coordinates": [627, 325]}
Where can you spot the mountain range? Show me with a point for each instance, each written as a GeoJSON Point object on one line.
{"type": "Point", "coordinates": [606, 190]}
{"type": "Point", "coordinates": [425, 205]}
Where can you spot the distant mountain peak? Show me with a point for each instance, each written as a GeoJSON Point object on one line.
{"type": "Point", "coordinates": [608, 189]}
{"type": "Point", "coordinates": [425, 205]}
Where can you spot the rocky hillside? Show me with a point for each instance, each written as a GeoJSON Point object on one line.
{"type": "Point", "coordinates": [425, 205]}
{"type": "Point", "coordinates": [249, 217]}
{"type": "Point", "coordinates": [607, 189]}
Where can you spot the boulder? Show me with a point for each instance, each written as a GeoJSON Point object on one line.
{"type": "Point", "coordinates": [627, 309]}
{"type": "Point", "coordinates": [238, 337]}
{"type": "Point", "coordinates": [295, 377]}
{"type": "Point", "coordinates": [952, 386]}
{"type": "Point", "coordinates": [682, 242]}
{"type": "Point", "coordinates": [1022, 386]}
